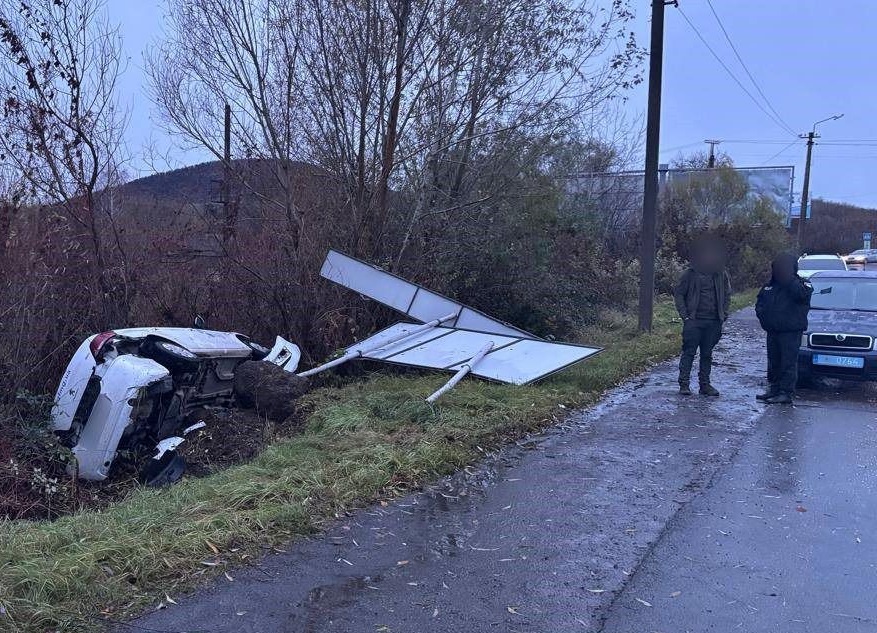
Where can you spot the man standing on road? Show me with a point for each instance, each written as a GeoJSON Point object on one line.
{"type": "Point", "coordinates": [782, 308]}
{"type": "Point", "coordinates": [703, 298]}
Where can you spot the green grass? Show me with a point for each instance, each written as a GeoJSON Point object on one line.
{"type": "Point", "coordinates": [364, 441]}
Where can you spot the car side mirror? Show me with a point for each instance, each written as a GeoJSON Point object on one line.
{"type": "Point", "coordinates": [200, 323]}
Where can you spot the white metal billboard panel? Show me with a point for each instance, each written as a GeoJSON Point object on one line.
{"type": "Point", "coordinates": [446, 348]}
{"type": "Point", "coordinates": [529, 360]}
{"type": "Point", "coordinates": [369, 281]}
{"type": "Point", "coordinates": [514, 360]}
{"type": "Point", "coordinates": [427, 303]}
{"type": "Point", "coordinates": [470, 319]}
{"type": "Point", "coordinates": [409, 298]}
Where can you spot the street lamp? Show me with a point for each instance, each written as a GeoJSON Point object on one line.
{"type": "Point", "coordinates": [805, 191]}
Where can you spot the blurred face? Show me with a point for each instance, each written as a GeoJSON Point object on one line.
{"type": "Point", "coordinates": [784, 270]}
{"type": "Point", "coordinates": [709, 256]}
{"type": "Point", "coordinates": [714, 259]}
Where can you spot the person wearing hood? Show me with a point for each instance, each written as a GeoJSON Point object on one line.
{"type": "Point", "coordinates": [703, 298]}
{"type": "Point", "coordinates": [782, 308]}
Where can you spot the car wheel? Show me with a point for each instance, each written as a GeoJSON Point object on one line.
{"type": "Point", "coordinates": [169, 354]}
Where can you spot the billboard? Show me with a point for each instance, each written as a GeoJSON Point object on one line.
{"type": "Point", "coordinates": [622, 192]}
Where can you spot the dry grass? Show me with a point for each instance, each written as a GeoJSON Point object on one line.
{"type": "Point", "coordinates": [364, 441]}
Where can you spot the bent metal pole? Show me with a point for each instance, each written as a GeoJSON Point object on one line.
{"type": "Point", "coordinates": [461, 373]}
{"type": "Point", "coordinates": [359, 353]}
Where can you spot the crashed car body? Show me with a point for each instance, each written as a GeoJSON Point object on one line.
{"type": "Point", "coordinates": [133, 389]}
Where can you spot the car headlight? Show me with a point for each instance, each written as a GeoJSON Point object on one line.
{"type": "Point", "coordinates": [805, 340]}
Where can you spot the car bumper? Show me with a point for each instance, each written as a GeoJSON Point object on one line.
{"type": "Point", "coordinates": [807, 368]}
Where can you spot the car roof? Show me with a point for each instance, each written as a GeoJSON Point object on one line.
{"type": "Point", "coordinates": [819, 257]}
{"type": "Point", "coordinates": [845, 274]}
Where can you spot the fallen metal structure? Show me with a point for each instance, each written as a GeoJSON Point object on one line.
{"type": "Point", "coordinates": [450, 337]}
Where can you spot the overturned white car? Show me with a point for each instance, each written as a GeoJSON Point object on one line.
{"type": "Point", "coordinates": [133, 390]}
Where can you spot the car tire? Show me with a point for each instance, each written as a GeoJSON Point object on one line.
{"type": "Point", "coordinates": [169, 354]}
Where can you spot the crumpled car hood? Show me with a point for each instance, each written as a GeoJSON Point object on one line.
{"type": "Point", "coordinates": [843, 322]}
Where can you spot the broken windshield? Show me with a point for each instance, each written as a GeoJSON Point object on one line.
{"type": "Point", "coordinates": [844, 294]}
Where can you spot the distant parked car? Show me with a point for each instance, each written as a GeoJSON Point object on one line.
{"type": "Point", "coordinates": [859, 257]}
{"type": "Point", "coordinates": [134, 389]}
{"type": "Point", "coordinates": [843, 327]}
{"type": "Point", "coordinates": [811, 264]}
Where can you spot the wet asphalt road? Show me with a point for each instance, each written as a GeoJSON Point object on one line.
{"type": "Point", "coordinates": [650, 512]}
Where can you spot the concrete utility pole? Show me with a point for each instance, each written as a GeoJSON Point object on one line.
{"type": "Point", "coordinates": [805, 190]}
{"type": "Point", "coordinates": [712, 159]}
{"type": "Point", "coordinates": [650, 185]}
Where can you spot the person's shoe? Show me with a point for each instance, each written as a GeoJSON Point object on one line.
{"type": "Point", "coordinates": [709, 390]}
{"type": "Point", "coordinates": [780, 398]}
{"type": "Point", "coordinates": [766, 395]}
{"type": "Point", "coordinates": [684, 390]}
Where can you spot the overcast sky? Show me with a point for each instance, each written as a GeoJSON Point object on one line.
{"type": "Point", "coordinates": [811, 58]}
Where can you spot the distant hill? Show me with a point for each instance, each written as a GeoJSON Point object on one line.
{"type": "Point", "coordinates": [197, 183]}
{"type": "Point", "coordinates": [836, 227]}
{"type": "Point", "coordinates": [195, 193]}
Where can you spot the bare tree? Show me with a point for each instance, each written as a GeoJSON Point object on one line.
{"type": "Point", "coordinates": [243, 53]}
{"type": "Point", "coordinates": [412, 94]}
{"type": "Point", "coordinates": [389, 95]}
{"type": "Point", "coordinates": [60, 62]}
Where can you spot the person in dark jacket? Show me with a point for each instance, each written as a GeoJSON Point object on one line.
{"type": "Point", "coordinates": [703, 298]}
{"type": "Point", "coordinates": [782, 308]}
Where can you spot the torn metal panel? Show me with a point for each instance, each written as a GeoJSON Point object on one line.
{"type": "Point", "coordinates": [284, 354]}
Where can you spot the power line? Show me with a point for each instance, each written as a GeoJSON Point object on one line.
{"type": "Point", "coordinates": [733, 76]}
{"type": "Point", "coordinates": [746, 69]}
{"type": "Point", "coordinates": [839, 144]}
{"type": "Point", "coordinates": [755, 142]}
{"type": "Point", "coordinates": [783, 150]}
{"type": "Point", "coordinates": [678, 147]}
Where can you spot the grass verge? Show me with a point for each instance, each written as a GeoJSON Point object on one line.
{"type": "Point", "coordinates": [363, 441]}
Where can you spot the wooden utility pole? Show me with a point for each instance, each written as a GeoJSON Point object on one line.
{"type": "Point", "coordinates": [650, 185]}
{"type": "Point", "coordinates": [712, 159]}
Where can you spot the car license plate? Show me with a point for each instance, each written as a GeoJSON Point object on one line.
{"type": "Point", "coordinates": [838, 361]}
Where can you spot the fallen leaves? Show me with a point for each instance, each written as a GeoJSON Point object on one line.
{"type": "Point", "coordinates": [643, 602]}
{"type": "Point", "coordinates": [675, 594]}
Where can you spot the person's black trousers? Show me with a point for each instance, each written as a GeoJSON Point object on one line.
{"type": "Point", "coordinates": [782, 361]}
{"type": "Point", "coordinates": [697, 334]}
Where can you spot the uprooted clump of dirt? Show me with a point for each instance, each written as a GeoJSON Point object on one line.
{"type": "Point", "coordinates": [231, 436]}
{"type": "Point", "coordinates": [268, 389]}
